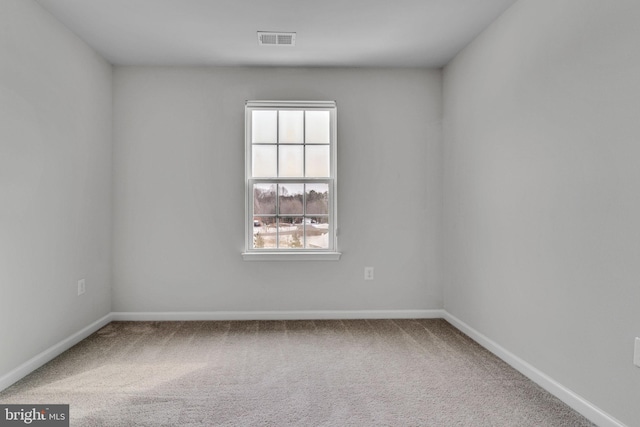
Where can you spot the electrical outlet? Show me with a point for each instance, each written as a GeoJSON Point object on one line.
{"type": "Point", "coordinates": [636, 353]}
{"type": "Point", "coordinates": [368, 273]}
{"type": "Point", "coordinates": [81, 287]}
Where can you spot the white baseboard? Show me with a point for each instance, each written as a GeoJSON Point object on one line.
{"type": "Point", "coordinates": [49, 354]}
{"type": "Point", "coordinates": [277, 315]}
{"type": "Point", "coordinates": [573, 400]}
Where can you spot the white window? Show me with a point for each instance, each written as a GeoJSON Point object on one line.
{"type": "Point", "coordinates": [290, 168]}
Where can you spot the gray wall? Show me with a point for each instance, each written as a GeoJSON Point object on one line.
{"type": "Point", "coordinates": [179, 171]}
{"type": "Point", "coordinates": [55, 183]}
{"type": "Point", "coordinates": [542, 192]}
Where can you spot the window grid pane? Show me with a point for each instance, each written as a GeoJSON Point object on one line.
{"type": "Point", "coordinates": [264, 126]}
{"type": "Point", "coordinates": [290, 126]}
{"type": "Point", "coordinates": [317, 127]}
{"type": "Point", "coordinates": [291, 161]}
{"type": "Point", "coordinates": [264, 161]}
{"type": "Point", "coordinates": [317, 161]}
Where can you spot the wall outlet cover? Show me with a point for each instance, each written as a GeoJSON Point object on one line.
{"type": "Point", "coordinates": [368, 273]}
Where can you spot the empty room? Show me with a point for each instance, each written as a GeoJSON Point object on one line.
{"type": "Point", "coordinates": [320, 213]}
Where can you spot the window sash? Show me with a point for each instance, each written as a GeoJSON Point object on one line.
{"type": "Point", "coordinates": [304, 214]}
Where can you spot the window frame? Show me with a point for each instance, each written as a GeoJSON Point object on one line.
{"type": "Point", "coordinates": [288, 254]}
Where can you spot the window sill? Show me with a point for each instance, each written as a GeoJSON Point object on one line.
{"type": "Point", "coordinates": [291, 256]}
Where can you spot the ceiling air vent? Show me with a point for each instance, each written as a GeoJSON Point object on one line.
{"type": "Point", "coordinates": [266, 38]}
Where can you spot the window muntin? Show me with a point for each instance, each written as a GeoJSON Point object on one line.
{"type": "Point", "coordinates": [291, 177]}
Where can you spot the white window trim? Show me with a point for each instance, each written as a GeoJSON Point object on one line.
{"type": "Point", "coordinates": [291, 256]}
{"type": "Point", "coordinates": [251, 254]}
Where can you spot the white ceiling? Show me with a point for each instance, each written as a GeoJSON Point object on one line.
{"type": "Point", "coordinates": [362, 33]}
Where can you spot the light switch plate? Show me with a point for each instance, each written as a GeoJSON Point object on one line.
{"type": "Point", "coordinates": [636, 353]}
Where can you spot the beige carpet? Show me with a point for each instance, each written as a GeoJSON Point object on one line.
{"type": "Point", "coordinates": [288, 373]}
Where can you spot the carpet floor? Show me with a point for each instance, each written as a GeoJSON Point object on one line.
{"type": "Point", "coordinates": [288, 373]}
